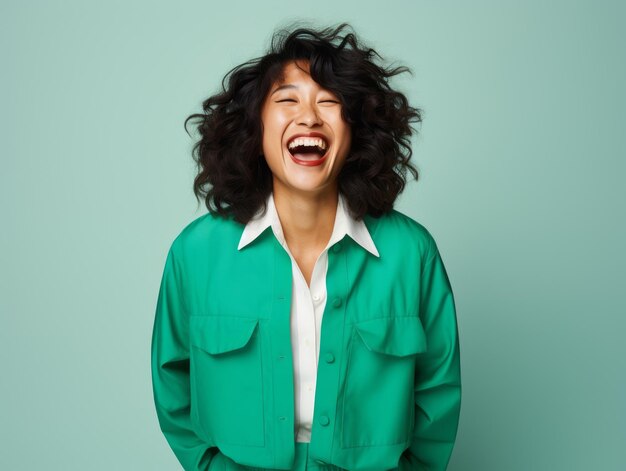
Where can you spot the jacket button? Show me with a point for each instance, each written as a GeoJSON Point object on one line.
{"type": "Point", "coordinates": [336, 248]}
{"type": "Point", "coordinates": [324, 420]}
{"type": "Point", "coordinates": [329, 357]}
{"type": "Point", "coordinates": [337, 302]}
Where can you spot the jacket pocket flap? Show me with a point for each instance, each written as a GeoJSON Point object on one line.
{"type": "Point", "coordinates": [217, 334]}
{"type": "Point", "coordinates": [399, 336]}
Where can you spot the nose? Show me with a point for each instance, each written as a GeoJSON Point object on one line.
{"type": "Point", "coordinates": [309, 115]}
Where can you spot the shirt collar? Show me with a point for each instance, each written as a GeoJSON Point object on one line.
{"type": "Point", "coordinates": [344, 224]}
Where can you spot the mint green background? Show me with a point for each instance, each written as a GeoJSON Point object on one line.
{"type": "Point", "coordinates": [522, 159]}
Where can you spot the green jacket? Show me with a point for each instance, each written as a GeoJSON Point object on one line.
{"type": "Point", "coordinates": [388, 390]}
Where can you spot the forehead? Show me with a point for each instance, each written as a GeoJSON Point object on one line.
{"type": "Point", "coordinates": [295, 76]}
{"type": "Point", "coordinates": [293, 72]}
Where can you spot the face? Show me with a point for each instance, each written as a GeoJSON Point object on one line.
{"type": "Point", "coordinates": [298, 105]}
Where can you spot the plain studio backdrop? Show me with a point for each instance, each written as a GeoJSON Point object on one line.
{"type": "Point", "coordinates": [522, 161]}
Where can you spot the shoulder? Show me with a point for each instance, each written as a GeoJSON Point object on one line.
{"type": "Point", "coordinates": [396, 229]}
{"type": "Point", "coordinates": [204, 232]}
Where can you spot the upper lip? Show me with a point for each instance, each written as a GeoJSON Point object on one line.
{"type": "Point", "coordinates": [309, 134]}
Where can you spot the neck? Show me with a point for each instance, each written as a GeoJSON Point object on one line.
{"type": "Point", "coordinates": [307, 219]}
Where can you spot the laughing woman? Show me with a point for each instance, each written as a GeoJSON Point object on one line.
{"type": "Point", "coordinates": [303, 322]}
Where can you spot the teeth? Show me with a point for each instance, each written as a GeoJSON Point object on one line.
{"type": "Point", "coordinates": [306, 141]}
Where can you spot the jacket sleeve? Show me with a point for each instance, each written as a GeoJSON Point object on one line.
{"type": "Point", "coordinates": [437, 374]}
{"type": "Point", "coordinates": [170, 371]}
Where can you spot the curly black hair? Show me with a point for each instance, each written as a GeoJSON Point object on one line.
{"type": "Point", "coordinates": [228, 154]}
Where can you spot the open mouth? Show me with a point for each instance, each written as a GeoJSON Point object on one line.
{"type": "Point", "coordinates": [308, 151]}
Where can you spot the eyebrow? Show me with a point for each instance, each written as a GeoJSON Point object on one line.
{"type": "Point", "coordinates": [282, 87]}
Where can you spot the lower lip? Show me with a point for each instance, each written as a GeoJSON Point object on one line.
{"type": "Point", "coordinates": [309, 163]}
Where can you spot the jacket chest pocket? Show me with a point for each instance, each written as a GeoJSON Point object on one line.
{"type": "Point", "coordinates": [378, 403]}
{"type": "Point", "coordinates": [228, 378]}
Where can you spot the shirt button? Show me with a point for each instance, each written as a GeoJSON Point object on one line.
{"type": "Point", "coordinates": [337, 302]}
{"type": "Point", "coordinates": [316, 297]}
{"type": "Point", "coordinates": [324, 420]}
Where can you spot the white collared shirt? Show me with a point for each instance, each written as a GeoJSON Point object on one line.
{"type": "Point", "coordinates": [308, 303]}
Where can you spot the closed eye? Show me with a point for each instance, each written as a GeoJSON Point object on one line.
{"type": "Point", "coordinates": [291, 99]}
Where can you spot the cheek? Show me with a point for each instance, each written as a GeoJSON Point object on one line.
{"type": "Point", "coordinates": [341, 127]}
{"type": "Point", "coordinates": [274, 127]}
{"type": "Point", "coordinates": [345, 135]}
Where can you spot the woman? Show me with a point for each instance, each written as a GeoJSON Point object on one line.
{"type": "Point", "coordinates": [303, 322]}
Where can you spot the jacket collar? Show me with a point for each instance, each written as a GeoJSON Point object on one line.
{"type": "Point", "coordinates": [344, 224]}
